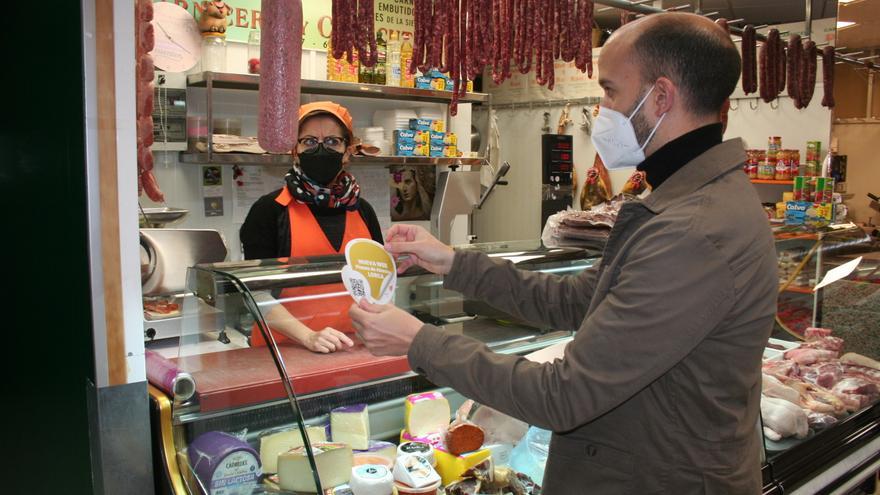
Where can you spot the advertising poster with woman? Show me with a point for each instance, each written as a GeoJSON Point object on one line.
{"type": "Point", "coordinates": [412, 192]}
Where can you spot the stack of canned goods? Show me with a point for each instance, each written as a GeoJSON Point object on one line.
{"type": "Point", "coordinates": [813, 189]}
{"type": "Point", "coordinates": [813, 167]}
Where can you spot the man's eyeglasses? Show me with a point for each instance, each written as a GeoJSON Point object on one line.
{"type": "Point", "coordinates": [332, 142]}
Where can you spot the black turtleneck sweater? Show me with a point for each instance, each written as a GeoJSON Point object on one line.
{"type": "Point", "coordinates": [676, 153]}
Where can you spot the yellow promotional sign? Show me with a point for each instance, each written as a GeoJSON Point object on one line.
{"type": "Point", "coordinates": [370, 273]}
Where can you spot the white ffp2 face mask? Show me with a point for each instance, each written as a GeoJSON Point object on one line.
{"type": "Point", "coordinates": [615, 137]}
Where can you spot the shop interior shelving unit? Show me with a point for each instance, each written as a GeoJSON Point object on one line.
{"type": "Point", "coordinates": [249, 82]}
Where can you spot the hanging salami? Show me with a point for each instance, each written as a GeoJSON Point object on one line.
{"type": "Point", "coordinates": [828, 76]}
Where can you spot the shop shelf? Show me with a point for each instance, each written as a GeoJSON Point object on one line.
{"type": "Point", "coordinates": [774, 182]}
{"type": "Point", "coordinates": [268, 159]}
{"type": "Point", "coordinates": [333, 88]}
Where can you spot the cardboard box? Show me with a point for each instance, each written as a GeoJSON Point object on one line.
{"type": "Point", "coordinates": [421, 149]}
{"type": "Point", "coordinates": [404, 134]}
{"type": "Point", "coordinates": [420, 124]}
{"type": "Point", "coordinates": [437, 137]}
{"type": "Point", "coordinates": [404, 148]}
{"type": "Point", "coordinates": [809, 214]}
{"type": "Point", "coordinates": [437, 150]}
{"type": "Point", "coordinates": [423, 82]}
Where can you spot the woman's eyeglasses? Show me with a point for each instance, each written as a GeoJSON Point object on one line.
{"type": "Point", "coordinates": [332, 142]}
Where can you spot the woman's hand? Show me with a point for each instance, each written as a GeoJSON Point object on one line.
{"type": "Point", "coordinates": [422, 248]}
{"type": "Point", "coordinates": [327, 340]}
{"type": "Point", "coordinates": [386, 330]}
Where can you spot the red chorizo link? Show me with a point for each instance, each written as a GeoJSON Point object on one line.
{"type": "Point", "coordinates": [750, 69]}
{"type": "Point", "coordinates": [508, 37]}
{"type": "Point", "coordinates": [769, 64]}
{"type": "Point", "coordinates": [795, 49]}
{"type": "Point", "coordinates": [280, 54]}
{"type": "Point", "coordinates": [828, 76]}
{"type": "Point", "coordinates": [808, 66]}
{"type": "Point", "coordinates": [151, 186]}
{"type": "Point", "coordinates": [764, 87]}
{"type": "Point", "coordinates": [780, 67]}
{"type": "Point", "coordinates": [527, 27]}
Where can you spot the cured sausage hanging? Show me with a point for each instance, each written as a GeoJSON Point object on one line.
{"type": "Point", "coordinates": [145, 41]}
{"type": "Point", "coordinates": [280, 54]}
{"type": "Point", "coordinates": [807, 79]}
{"type": "Point", "coordinates": [352, 30]}
{"type": "Point", "coordinates": [795, 48]}
{"type": "Point", "coordinates": [461, 37]}
{"type": "Point", "coordinates": [749, 60]}
{"type": "Point", "coordinates": [828, 76]}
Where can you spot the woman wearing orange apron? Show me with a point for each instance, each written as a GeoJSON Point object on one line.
{"type": "Point", "coordinates": [316, 213]}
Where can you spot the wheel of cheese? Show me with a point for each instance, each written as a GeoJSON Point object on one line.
{"type": "Point", "coordinates": [222, 460]}
{"type": "Point", "coordinates": [371, 479]}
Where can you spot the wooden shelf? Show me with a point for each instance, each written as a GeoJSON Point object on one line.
{"type": "Point", "coordinates": [774, 182]}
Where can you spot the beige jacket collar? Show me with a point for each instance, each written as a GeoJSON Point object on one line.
{"type": "Point", "coordinates": [714, 163]}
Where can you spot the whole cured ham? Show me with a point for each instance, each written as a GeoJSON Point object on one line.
{"type": "Point", "coordinates": [280, 54]}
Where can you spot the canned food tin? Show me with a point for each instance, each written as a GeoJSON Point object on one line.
{"type": "Point", "coordinates": [799, 188]}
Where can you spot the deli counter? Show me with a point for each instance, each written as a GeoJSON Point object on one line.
{"type": "Point", "coordinates": [219, 384]}
{"type": "Point", "coordinates": [224, 405]}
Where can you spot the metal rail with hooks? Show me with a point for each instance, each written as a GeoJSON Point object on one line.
{"type": "Point", "coordinates": [639, 7]}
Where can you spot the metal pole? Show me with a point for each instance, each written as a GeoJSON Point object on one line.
{"type": "Point", "coordinates": [808, 18]}
{"type": "Point", "coordinates": [869, 106]}
{"type": "Point", "coordinates": [698, 7]}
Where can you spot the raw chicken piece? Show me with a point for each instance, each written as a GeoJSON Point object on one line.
{"type": "Point", "coordinates": [817, 398]}
{"type": "Point", "coordinates": [865, 372]}
{"type": "Point", "coordinates": [772, 387]}
{"type": "Point", "coordinates": [809, 356]}
{"type": "Point", "coordinates": [783, 419]}
{"type": "Point", "coordinates": [781, 369]}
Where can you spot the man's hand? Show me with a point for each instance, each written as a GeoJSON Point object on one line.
{"type": "Point", "coordinates": [386, 330]}
{"type": "Point", "coordinates": [422, 248]}
{"type": "Point", "coordinates": [327, 340]}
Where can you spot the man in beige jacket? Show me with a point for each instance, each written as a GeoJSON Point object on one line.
{"type": "Point", "coordinates": [659, 391]}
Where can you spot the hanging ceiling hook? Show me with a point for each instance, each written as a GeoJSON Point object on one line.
{"type": "Point", "coordinates": [755, 106]}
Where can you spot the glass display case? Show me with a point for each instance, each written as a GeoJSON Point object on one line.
{"type": "Point", "coordinates": [230, 398]}
{"type": "Point", "coordinates": [821, 376]}
{"type": "Point", "coordinates": [234, 399]}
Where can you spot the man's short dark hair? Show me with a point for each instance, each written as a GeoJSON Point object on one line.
{"type": "Point", "coordinates": [703, 64]}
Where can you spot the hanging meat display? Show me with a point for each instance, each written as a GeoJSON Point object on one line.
{"type": "Point", "coordinates": [144, 42]}
{"type": "Point", "coordinates": [280, 54]}
{"type": "Point", "coordinates": [463, 36]}
{"type": "Point", "coordinates": [352, 30]}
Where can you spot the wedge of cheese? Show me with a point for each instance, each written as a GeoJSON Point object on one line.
{"type": "Point", "coordinates": [334, 462]}
{"type": "Point", "coordinates": [351, 425]}
{"type": "Point", "coordinates": [274, 444]}
{"type": "Point", "coordinates": [426, 413]}
{"type": "Point", "coordinates": [452, 467]}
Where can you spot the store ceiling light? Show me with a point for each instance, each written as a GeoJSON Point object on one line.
{"type": "Point", "coordinates": [845, 24]}
{"type": "Point", "coordinates": [847, 2]}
